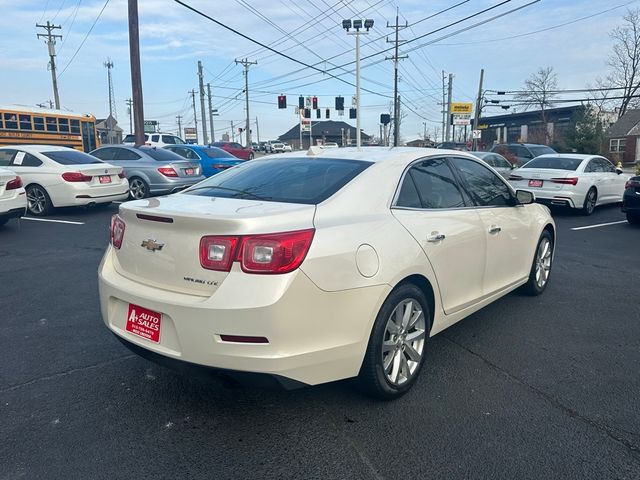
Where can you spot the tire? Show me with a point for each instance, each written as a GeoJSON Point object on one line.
{"type": "Point", "coordinates": [540, 267]}
{"type": "Point", "coordinates": [251, 156]}
{"type": "Point", "coordinates": [590, 200]}
{"type": "Point", "coordinates": [633, 218]}
{"type": "Point", "coordinates": [138, 188]}
{"type": "Point", "coordinates": [398, 342]}
{"type": "Point", "coordinates": [38, 201]}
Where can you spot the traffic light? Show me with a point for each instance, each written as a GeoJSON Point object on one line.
{"type": "Point", "coordinates": [353, 113]}
{"type": "Point", "coordinates": [314, 103]}
{"type": "Point", "coordinates": [307, 113]}
{"type": "Point", "coordinates": [282, 101]}
{"type": "Point", "coordinates": [327, 113]}
{"type": "Point", "coordinates": [240, 130]}
{"type": "Point", "coordinates": [300, 102]}
{"type": "Point", "coordinates": [318, 114]}
{"type": "Point", "coordinates": [385, 118]}
{"type": "Point", "coordinates": [339, 103]}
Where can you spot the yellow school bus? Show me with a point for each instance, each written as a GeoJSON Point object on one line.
{"type": "Point", "coordinates": [26, 125]}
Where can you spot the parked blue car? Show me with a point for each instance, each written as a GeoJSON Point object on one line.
{"type": "Point", "coordinates": [212, 159]}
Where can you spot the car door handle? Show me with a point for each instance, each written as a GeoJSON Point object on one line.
{"type": "Point", "coordinates": [435, 237]}
{"type": "Point", "coordinates": [494, 229]}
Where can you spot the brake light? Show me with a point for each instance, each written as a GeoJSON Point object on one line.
{"type": "Point", "coordinates": [566, 181]}
{"type": "Point", "coordinates": [76, 177]}
{"type": "Point", "coordinates": [218, 252]}
{"type": "Point", "coordinates": [13, 184]}
{"type": "Point", "coordinates": [117, 231]}
{"type": "Point", "coordinates": [628, 184]}
{"type": "Point", "coordinates": [273, 253]}
{"type": "Point", "coordinates": [220, 166]}
{"type": "Point", "coordinates": [121, 174]}
{"type": "Point", "coordinates": [515, 177]}
{"type": "Point", "coordinates": [168, 172]}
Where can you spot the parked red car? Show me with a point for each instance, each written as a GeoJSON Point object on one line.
{"type": "Point", "coordinates": [235, 149]}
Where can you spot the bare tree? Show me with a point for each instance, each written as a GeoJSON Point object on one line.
{"type": "Point", "coordinates": [539, 91]}
{"type": "Point", "coordinates": [624, 59]}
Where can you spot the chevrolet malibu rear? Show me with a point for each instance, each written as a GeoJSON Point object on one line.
{"type": "Point", "coordinates": [313, 269]}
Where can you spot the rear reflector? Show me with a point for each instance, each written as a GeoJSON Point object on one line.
{"type": "Point", "coordinates": [76, 177]}
{"type": "Point", "coordinates": [14, 184]}
{"type": "Point", "coordinates": [219, 166]}
{"type": "Point", "coordinates": [154, 218]}
{"type": "Point", "coordinates": [566, 181]}
{"type": "Point", "coordinates": [243, 339]}
{"type": "Point", "coordinates": [117, 231]}
{"type": "Point", "coordinates": [168, 172]}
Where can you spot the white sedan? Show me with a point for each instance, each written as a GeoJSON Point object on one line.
{"type": "Point", "coordinates": [323, 266]}
{"type": "Point", "coordinates": [63, 177]}
{"type": "Point", "coordinates": [571, 180]}
{"type": "Point", "coordinates": [13, 200]}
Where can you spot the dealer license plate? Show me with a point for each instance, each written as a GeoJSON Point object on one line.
{"type": "Point", "coordinates": [144, 322]}
{"type": "Point", "coordinates": [105, 179]}
{"type": "Point", "coordinates": [535, 183]}
{"type": "Point", "coordinates": [188, 171]}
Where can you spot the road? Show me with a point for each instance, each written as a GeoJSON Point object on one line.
{"type": "Point", "coordinates": [544, 387]}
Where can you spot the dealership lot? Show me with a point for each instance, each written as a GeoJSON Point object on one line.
{"type": "Point", "coordinates": [525, 388]}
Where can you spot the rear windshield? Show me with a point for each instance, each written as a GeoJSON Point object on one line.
{"type": "Point", "coordinates": [541, 150]}
{"type": "Point", "coordinates": [216, 153]}
{"type": "Point", "coordinates": [71, 157]}
{"type": "Point", "coordinates": [288, 180]}
{"type": "Point", "coordinates": [161, 155]}
{"type": "Point", "coordinates": [556, 163]}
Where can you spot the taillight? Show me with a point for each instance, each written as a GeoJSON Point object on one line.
{"type": "Point", "coordinates": [76, 177]}
{"type": "Point", "coordinates": [275, 253]}
{"type": "Point", "coordinates": [217, 252]}
{"type": "Point", "coordinates": [220, 167]}
{"type": "Point", "coordinates": [566, 181]}
{"type": "Point", "coordinates": [628, 184]}
{"type": "Point", "coordinates": [168, 172]}
{"type": "Point", "coordinates": [13, 184]}
{"type": "Point", "coordinates": [121, 174]}
{"type": "Point", "coordinates": [117, 231]}
{"type": "Point", "coordinates": [515, 177]}
{"type": "Point", "coordinates": [271, 253]}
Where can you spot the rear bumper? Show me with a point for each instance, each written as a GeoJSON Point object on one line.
{"type": "Point", "coordinates": [631, 202]}
{"type": "Point", "coordinates": [14, 206]}
{"type": "Point", "coordinates": [13, 213]}
{"type": "Point", "coordinates": [77, 194]}
{"type": "Point", "coordinates": [313, 336]}
{"type": "Point", "coordinates": [174, 185]}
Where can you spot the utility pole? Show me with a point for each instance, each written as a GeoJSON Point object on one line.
{"type": "Point", "coordinates": [195, 113]}
{"type": "Point", "coordinates": [246, 63]}
{"type": "Point", "coordinates": [257, 131]}
{"type": "Point", "coordinates": [202, 109]}
{"type": "Point", "coordinates": [233, 132]}
{"type": "Point", "coordinates": [136, 74]}
{"type": "Point", "coordinates": [444, 112]}
{"type": "Point", "coordinates": [424, 136]}
{"type": "Point", "coordinates": [112, 106]}
{"type": "Point", "coordinates": [179, 119]}
{"type": "Point", "coordinates": [129, 103]}
{"type": "Point", "coordinates": [213, 135]}
{"type": "Point", "coordinates": [448, 110]}
{"type": "Point", "coordinates": [396, 98]}
{"type": "Point", "coordinates": [51, 44]}
{"type": "Point", "coordinates": [476, 117]}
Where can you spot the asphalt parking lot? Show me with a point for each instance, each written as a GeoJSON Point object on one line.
{"type": "Point", "coordinates": [544, 387]}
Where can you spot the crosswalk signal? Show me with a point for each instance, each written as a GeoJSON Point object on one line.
{"type": "Point", "coordinates": [307, 113]}
{"type": "Point", "coordinates": [282, 101]}
{"type": "Point", "coordinates": [314, 103]}
{"type": "Point", "coordinates": [339, 103]}
{"type": "Point", "coordinates": [300, 102]}
{"type": "Point", "coordinates": [318, 114]}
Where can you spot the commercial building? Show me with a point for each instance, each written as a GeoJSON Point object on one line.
{"type": "Point", "coordinates": [322, 132]}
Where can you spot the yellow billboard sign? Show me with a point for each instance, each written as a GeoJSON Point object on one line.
{"type": "Point", "coordinates": [461, 107]}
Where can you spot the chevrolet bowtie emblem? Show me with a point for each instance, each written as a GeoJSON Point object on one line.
{"type": "Point", "coordinates": [151, 245]}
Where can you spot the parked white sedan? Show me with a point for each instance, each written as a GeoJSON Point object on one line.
{"type": "Point", "coordinates": [13, 200]}
{"type": "Point", "coordinates": [63, 177]}
{"type": "Point", "coordinates": [571, 180]}
{"type": "Point", "coordinates": [318, 267]}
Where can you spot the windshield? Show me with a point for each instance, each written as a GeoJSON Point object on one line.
{"type": "Point", "coordinates": [214, 152]}
{"type": "Point", "coordinates": [161, 155]}
{"type": "Point", "coordinates": [288, 180]}
{"type": "Point", "coordinates": [555, 163]}
{"type": "Point", "coordinates": [71, 157]}
{"type": "Point", "coordinates": [541, 150]}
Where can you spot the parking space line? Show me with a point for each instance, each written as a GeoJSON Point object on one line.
{"type": "Point", "coordinates": [599, 225]}
{"type": "Point", "coordinates": [50, 220]}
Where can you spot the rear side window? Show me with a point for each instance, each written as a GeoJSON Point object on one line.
{"type": "Point", "coordinates": [161, 155]}
{"type": "Point", "coordinates": [23, 159]}
{"type": "Point", "coordinates": [155, 138]}
{"type": "Point", "coordinates": [168, 139]}
{"type": "Point", "coordinates": [288, 180]}
{"type": "Point", "coordinates": [541, 150]}
{"type": "Point", "coordinates": [555, 163]}
{"type": "Point", "coordinates": [485, 187]}
{"type": "Point", "coordinates": [104, 153]}
{"type": "Point", "coordinates": [71, 157]}
{"type": "Point", "coordinates": [5, 157]}
{"type": "Point", "coordinates": [435, 185]}
{"type": "Point", "coordinates": [126, 154]}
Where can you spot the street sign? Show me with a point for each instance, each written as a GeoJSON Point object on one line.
{"type": "Point", "coordinates": [461, 119]}
{"type": "Point", "coordinates": [476, 134]}
{"type": "Point", "coordinates": [306, 125]}
{"type": "Point", "coordinates": [150, 126]}
{"type": "Point", "coordinates": [189, 133]}
{"type": "Point", "coordinates": [461, 107]}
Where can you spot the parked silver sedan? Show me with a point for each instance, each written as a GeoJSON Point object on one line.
{"type": "Point", "coordinates": [497, 161]}
{"type": "Point", "coordinates": [151, 170]}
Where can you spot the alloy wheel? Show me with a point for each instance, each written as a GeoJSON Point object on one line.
{"type": "Point", "coordinates": [403, 341]}
{"type": "Point", "coordinates": [543, 262]}
{"type": "Point", "coordinates": [137, 188]}
{"type": "Point", "coordinates": [37, 200]}
{"type": "Point", "coordinates": [591, 201]}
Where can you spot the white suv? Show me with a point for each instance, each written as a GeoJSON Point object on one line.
{"type": "Point", "coordinates": [277, 147]}
{"type": "Point", "coordinates": [155, 139]}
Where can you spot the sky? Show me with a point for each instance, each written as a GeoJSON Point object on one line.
{"type": "Point", "coordinates": [173, 39]}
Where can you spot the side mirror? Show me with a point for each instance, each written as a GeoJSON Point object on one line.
{"type": "Point", "coordinates": [619, 170]}
{"type": "Point", "coordinates": [525, 197]}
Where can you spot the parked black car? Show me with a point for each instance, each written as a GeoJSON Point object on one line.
{"type": "Point", "coordinates": [631, 200]}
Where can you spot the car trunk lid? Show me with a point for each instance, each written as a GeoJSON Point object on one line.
{"type": "Point", "coordinates": [547, 178]}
